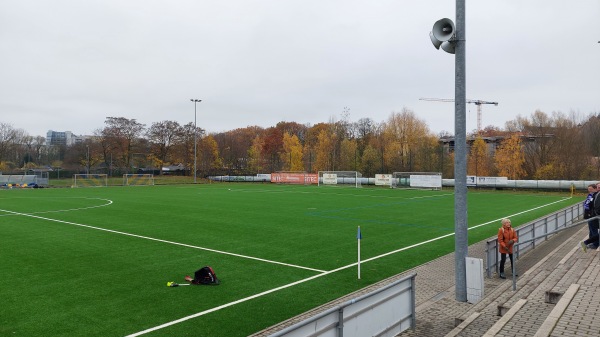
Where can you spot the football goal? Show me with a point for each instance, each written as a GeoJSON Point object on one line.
{"type": "Point", "coordinates": [138, 179]}
{"type": "Point", "coordinates": [90, 180]}
{"type": "Point", "coordinates": [347, 178]}
{"type": "Point", "coordinates": [417, 180]}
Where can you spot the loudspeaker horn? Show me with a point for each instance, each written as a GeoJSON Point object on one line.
{"type": "Point", "coordinates": [443, 30]}
{"type": "Point", "coordinates": [448, 47]}
{"type": "Point", "coordinates": [436, 43]}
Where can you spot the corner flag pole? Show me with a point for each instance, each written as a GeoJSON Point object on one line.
{"type": "Point", "coordinates": [358, 238]}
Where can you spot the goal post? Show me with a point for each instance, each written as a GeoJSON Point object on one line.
{"type": "Point", "coordinates": [417, 180]}
{"type": "Point", "coordinates": [90, 180]}
{"type": "Point", "coordinates": [138, 179]}
{"type": "Point", "coordinates": [348, 178]}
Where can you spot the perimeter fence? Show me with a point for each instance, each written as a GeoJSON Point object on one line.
{"type": "Point", "coordinates": [384, 312]}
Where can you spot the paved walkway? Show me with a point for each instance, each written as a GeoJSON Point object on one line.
{"type": "Point", "coordinates": [557, 295]}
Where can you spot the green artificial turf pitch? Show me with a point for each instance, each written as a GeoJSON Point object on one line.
{"type": "Point", "coordinates": [95, 261]}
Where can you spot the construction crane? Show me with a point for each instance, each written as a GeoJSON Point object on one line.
{"type": "Point", "coordinates": [471, 101]}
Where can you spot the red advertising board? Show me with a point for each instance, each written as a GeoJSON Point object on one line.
{"type": "Point", "coordinates": [294, 178]}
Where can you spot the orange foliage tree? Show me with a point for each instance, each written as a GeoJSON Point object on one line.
{"type": "Point", "coordinates": [509, 158]}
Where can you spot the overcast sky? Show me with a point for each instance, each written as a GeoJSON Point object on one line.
{"type": "Point", "coordinates": [69, 64]}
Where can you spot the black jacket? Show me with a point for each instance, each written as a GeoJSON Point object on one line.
{"type": "Point", "coordinates": [595, 209]}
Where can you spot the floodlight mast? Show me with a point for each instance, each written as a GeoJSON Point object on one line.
{"type": "Point", "coordinates": [195, 135]}
{"type": "Point", "coordinates": [443, 36]}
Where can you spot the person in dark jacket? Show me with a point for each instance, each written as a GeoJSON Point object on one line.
{"type": "Point", "coordinates": [588, 204]}
{"type": "Point", "coordinates": [594, 239]}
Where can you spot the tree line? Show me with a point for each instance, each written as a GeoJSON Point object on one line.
{"type": "Point", "coordinates": [539, 146]}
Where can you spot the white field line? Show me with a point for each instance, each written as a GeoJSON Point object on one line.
{"type": "Point", "coordinates": [451, 234]}
{"type": "Point", "coordinates": [202, 313]}
{"type": "Point", "coordinates": [164, 241]}
{"type": "Point", "coordinates": [108, 202]}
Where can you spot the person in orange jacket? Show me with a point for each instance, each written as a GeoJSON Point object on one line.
{"type": "Point", "coordinates": [507, 237]}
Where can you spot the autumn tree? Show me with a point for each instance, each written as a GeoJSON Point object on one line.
{"type": "Point", "coordinates": [324, 152]}
{"type": "Point", "coordinates": [310, 145]}
{"type": "Point", "coordinates": [349, 157]}
{"type": "Point", "coordinates": [509, 158]}
{"type": "Point", "coordinates": [256, 162]}
{"type": "Point", "coordinates": [272, 147]}
{"type": "Point", "coordinates": [590, 134]}
{"type": "Point", "coordinates": [478, 163]}
{"type": "Point", "coordinates": [182, 151]}
{"type": "Point", "coordinates": [234, 147]}
{"type": "Point", "coordinates": [208, 155]}
{"type": "Point", "coordinates": [294, 129]}
{"type": "Point", "coordinates": [370, 161]}
{"type": "Point", "coordinates": [539, 130]}
{"type": "Point", "coordinates": [363, 131]}
{"type": "Point", "coordinates": [569, 152]}
{"type": "Point", "coordinates": [431, 155]}
{"type": "Point", "coordinates": [553, 146]}
{"type": "Point", "coordinates": [291, 156]}
{"type": "Point", "coordinates": [406, 139]}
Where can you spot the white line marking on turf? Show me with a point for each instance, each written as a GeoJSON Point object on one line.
{"type": "Point", "coordinates": [109, 202]}
{"type": "Point", "coordinates": [165, 241]}
{"type": "Point", "coordinates": [468, 229]}
{"type": "Point", "coordinates": [202, 313]}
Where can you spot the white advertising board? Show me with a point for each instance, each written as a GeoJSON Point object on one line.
{"type": "Point", "coordinates": [430, 181]}
{"type": "Point", "coordinates": [329, 179]}
{"type": "Point", "coordinates": [383, 179]}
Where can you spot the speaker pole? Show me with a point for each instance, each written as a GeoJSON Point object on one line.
{"type": "Point", "coordinates": [460, 160]}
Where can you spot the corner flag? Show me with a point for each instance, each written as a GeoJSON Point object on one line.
{"type": "Point", "coordinates": [358, 238]}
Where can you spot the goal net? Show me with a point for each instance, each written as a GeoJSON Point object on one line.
{"type": "Point", "coordinates": [138, 179]}
{"type": "Point", "coordinates": [347, 178]}
{"type": "Point", "coordinates": [293, 177]}
{"type": "Point", "coordinates": [90, 180]}
{"type": "Point", "coordinates": [418, 180]}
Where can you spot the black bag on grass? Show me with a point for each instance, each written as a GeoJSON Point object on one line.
{"type": "Point", "coordinates": [206, 275]}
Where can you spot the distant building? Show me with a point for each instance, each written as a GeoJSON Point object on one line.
{"type": "Point", "coordinates": [492, 143]}
{"type": "Point", "coordinates": [66, 138]}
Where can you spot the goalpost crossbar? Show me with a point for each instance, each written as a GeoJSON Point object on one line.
{"type": "Point", "coordinates": [90, 180]}
{"type": "Point", "coordinates": [340, 178]}
{"type": "Point", "coordinates": [138, 179]}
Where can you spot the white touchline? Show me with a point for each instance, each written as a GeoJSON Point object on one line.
{"type": "Point", "coordinates": [451, 234]}
{"type": "Point", "coordinates": [202, 313]}
{"type": "Point", "coordinates": [164, 241]}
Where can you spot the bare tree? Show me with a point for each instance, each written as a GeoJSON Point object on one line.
{"type": "Point", "coordinates": [163, 137]}
{"type": "Point", "coordinates": [122, 135]}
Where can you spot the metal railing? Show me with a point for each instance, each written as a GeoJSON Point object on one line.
{"type": "Point", "coordinates": [384, 312]}
{"type": "Point", "coordinates": [534, 233]}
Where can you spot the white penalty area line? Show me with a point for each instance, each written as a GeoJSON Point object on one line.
{"type": "Point", "coordinates": [165, 241]}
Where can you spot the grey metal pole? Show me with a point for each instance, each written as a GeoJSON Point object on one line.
{"type": "Point", "coordinates": [195, 135]}
{"type": "Point", "coordinates": [87, 167]}
{"type": "Point", "coordinates": [461, 244]}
